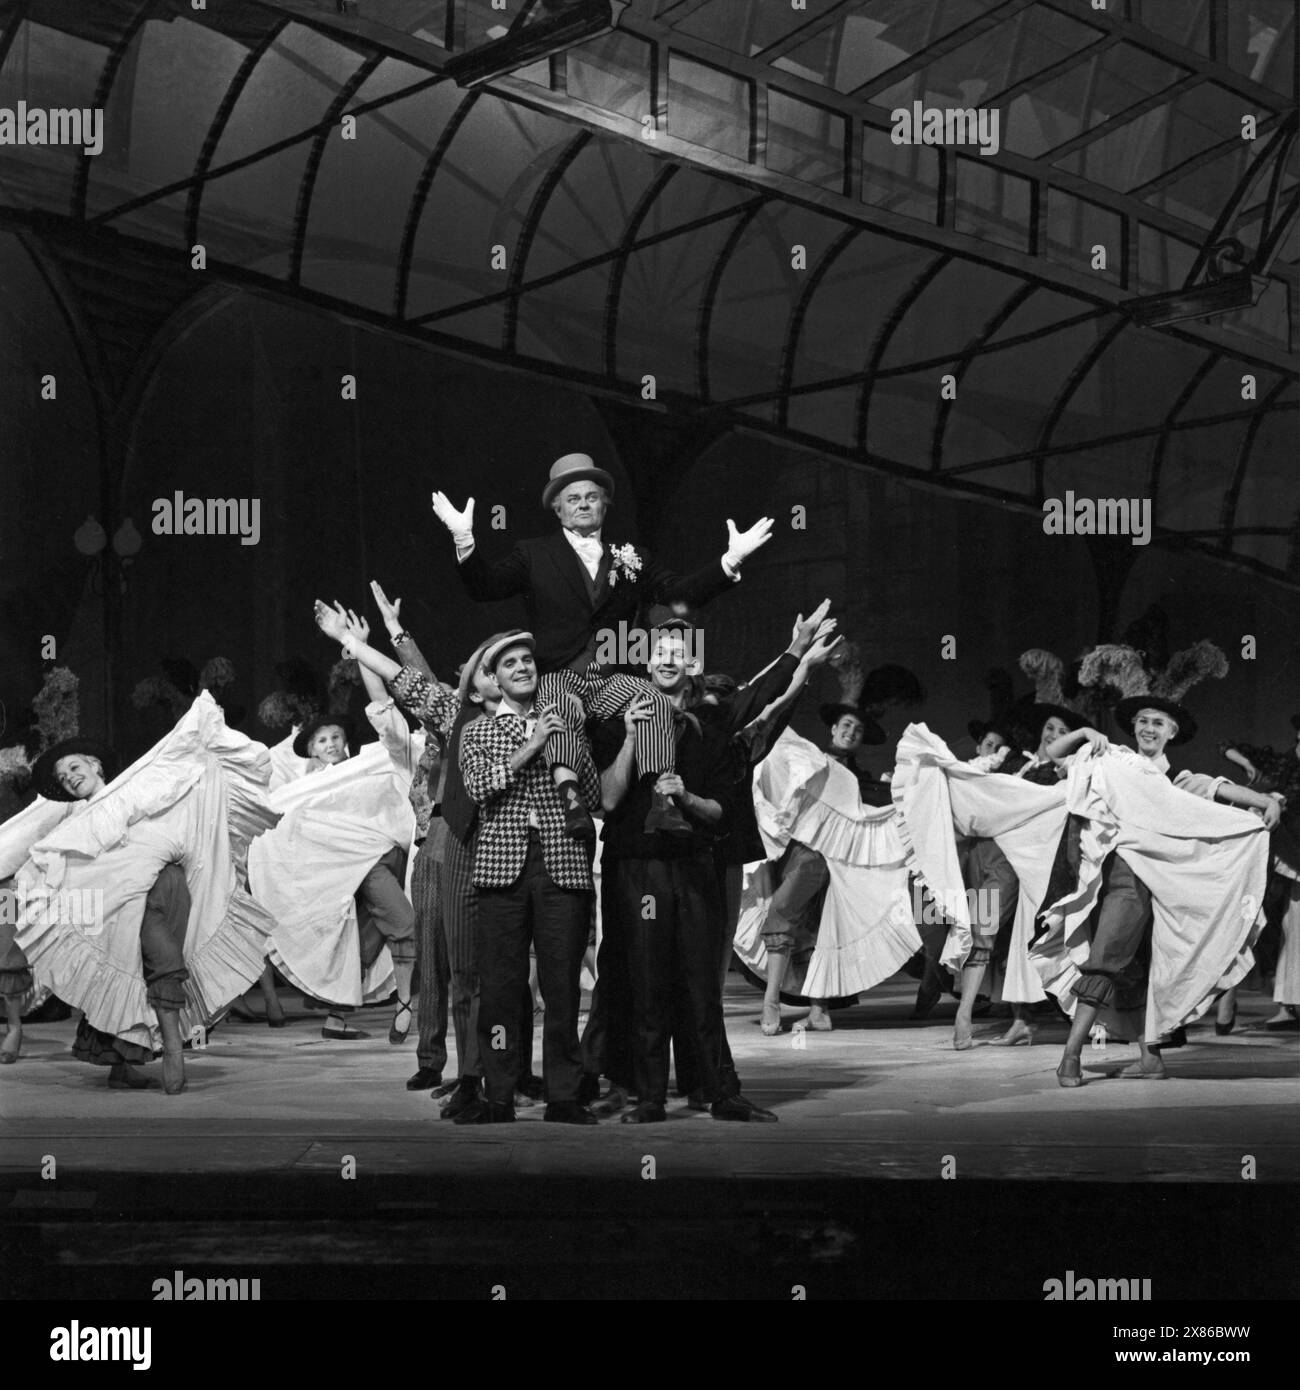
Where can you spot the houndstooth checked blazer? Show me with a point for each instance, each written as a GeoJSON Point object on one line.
{"type": "Point", "coordinates": [505, 798]}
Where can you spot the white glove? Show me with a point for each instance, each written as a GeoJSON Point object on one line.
{"type": "Point", "coordinates": [741, 544]}
{"type": "Point", "coordinates": [460, 524]}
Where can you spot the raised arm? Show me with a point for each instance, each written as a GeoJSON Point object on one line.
{"type": "Point", "coordinates": [776, 680]}
{"type": "Point", "coordinates": [1067, 743]}
{"type": "Point", "coordinates": [403, 643]}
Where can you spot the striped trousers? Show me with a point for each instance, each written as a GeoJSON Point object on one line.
{"type": "Point", "coordinates": [603, 697]}
{"type": "Point", "coordinates": [435, 975]}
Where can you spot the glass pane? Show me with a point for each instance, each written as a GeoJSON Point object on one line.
{"type": "Point", "coordinates": [1193, 476]}
{"type": "Point", "coordinates": [1074, 227]}
{"type": "Point", "coordinates": [949, 313]}
{"type": "Point", "coordinates": [165, 96]}
{"type": "Point", "coordinates": [993, 60]}
{"type": "Point", "coordinates": [992, 204]}
{"type": "Point", "coordinates": [901, 415]}
{"type": "Point", "coordinates": [805, 141]}
{"type": "Point", "coordinates": [748, 26]}
{"type": "Point", "coordinates": [1270, 474]}
{"type": "Point", "coordinates": [1084, 97]}
{"type": "Point", "coordinates": [708, 107]}
{"type": "Point", "coordinates": [48, 69]}
{"type": "Point", "coordinates": [1163, 261]}
{"type": "Point", "coordinates": [478, 200]}
{"type": "Point", "coordinates": [362, 195]}
{"type": "Point", "coordinates": [613, 73]}
{"type": "Point", "coordinates": [1133, 386]}
{"type": "Point", "coordinates": [900, 178]}
{"type": "Point", "coordinates": [756, 297]}
{"type": "Point", "coordinates": [1257, 40]}
{"type": "Point", "coordinates": [422, 19]}
{"type": "Point", "coordinates": [564, 322]}
{"type": "Point", "coordinates": [1160, 139]}
{"type": "Point", "coordinates": [1187, 23]}
{"type": "Point", "coordinates": [1199, 195]}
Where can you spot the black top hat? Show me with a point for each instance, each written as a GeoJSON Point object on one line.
{"type": "Point", "coordinates": [978, 728]}
{"type": "Point", "coordinates": [320, 721]}
{"type": "Point", "coordinates": [1038, 712]}
{"type": "Point", "coordinates": [871, 731]}
{"type": "Point", "coordinates": [43, 778]}
{"type": "Point", "coordinates": [1128, 710]}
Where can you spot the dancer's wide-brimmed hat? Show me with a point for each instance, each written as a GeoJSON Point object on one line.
{"type": "Point", "coordinates": [43, 779]}
{"type": "Point", "coordinates": [1039, 712]}
{"type": "Point", "coordinates": [1128, 710]}
{"type": "Point", "coordinates": [979, 728]}
{"type": "Point", "coordinates": [871, 731]}
{"type": "Point", "coordinates": [575, 468]}
{"type": "Point", "coordinates": [321, 721]}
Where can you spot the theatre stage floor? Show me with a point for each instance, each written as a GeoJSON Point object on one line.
{"type": "Point", "coordinates": [271, 1119]}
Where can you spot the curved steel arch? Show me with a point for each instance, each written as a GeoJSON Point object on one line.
{"type": "Point", "coordinates": [1004, 311]}
{"type": "Point", "coordinates": [532, 220]}
{"type": "Point", "coordinates": [1072, 383]}
{"type": "Point", "coordinates": [307, 184]}
{"type": "Point", "coordinates": [1184, 397]}
{"type": "Point", "coordinates": [790, 350]}
{"type": "Point", "coordinates": [225, 109]}
{"type": "Point", "coordinates": [116, 57]}
{"type": "Point", "coordinates": [1232, 494]}
{"type": "Point", "coordinates": [614, 293]}
{"type": "Point", "coordinates": [888, 327]}
{"type": "Point", "coordinates": [704, 323]}
{"type": "Point", "coordinates": [419, 196]}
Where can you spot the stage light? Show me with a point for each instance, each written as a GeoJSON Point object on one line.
{"type": "Point", "coordinates": [1229, 286]}
{"type": "Point", "coordinates": [561, 27]}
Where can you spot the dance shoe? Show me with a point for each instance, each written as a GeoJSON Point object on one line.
{"type": "Point", "coordinates": [1135, 1071]}
{"type": "Point", "coordinates": [122, 1078]}
{"type": "Point", "coordinates": [647, 1113]}
{"type": "Point", "coordinates": [738, 1108]}
{"type": "Point", "coordinates": [173, 1073]}
{"type": "Point", "coordinates": [531, 1086]}
{"type": "Point", "coordinates": [468, 1092]}
{"type": "Point", "coordinates": [398, 1035]}
{"type": "Point", "coordinates": [1020, 1034]}
{"type": "Point", "coordinates": [1070, 1072]}
{"type": "Point", "coordinates": [612, 1102]}
{"type": "Point", "coordinates": [1283, 1025]}
{"type": "Point", "coordinates": [568, 1112]}
{"type": "Point", "coordinates": [1223, 1029]}
{"type": "Point", "coordinates": [588, 1088]}
{"type": "Point", "coordinates": [818, 1021]}
{"type": "Point", "coordinates": [424, 1080]}
{"type": "Point", "coordinates": [482, 1111]}
{"type": "Point", "coordinates": [771, 1021]}
{"type": "Point", "coordinates": [344, 1034]}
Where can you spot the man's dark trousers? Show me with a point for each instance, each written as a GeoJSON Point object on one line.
{"type": "Point", "coordinates": [556, 921]}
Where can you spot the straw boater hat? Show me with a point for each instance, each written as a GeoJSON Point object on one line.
{"type": "Point", "coordinates": [1128, 710]}
{"type": "Point", "coordinates": [466, 684]}
{"type": "Point", "coordinates": [574, 468]}
{"type": "Point", "coordinates": [496, 646]}
{"type": "Point", "coordinates": [43, 778]}
{"type": "Point", "coordinates": [323, 721]}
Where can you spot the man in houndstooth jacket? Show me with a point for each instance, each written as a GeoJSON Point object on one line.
{"type": "Point", "coordinates": [534, 885]}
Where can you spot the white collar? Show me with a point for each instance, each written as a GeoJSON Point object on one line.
{"type": "Point", "coordinates": [503, 709]}
{"type": "Point", "coordinates": [575, 540]}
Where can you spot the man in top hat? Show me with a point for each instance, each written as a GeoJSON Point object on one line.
{"type": "Point", "coordinates": [576, 586]}
{"type": "Point", "coordinates": [534, 885]}
{"type": "Point", "coordinates": [1154, 723]}
{"type": "Point", "coordinates": [803, 870]}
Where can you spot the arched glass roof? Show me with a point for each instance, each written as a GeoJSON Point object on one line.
{"type": "Point", "coordinates": [709, 195]}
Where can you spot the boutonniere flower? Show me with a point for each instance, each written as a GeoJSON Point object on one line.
{"type": "Point", "coordinates": [625, 562]}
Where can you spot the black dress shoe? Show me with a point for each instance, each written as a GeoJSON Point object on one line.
{"type": "Point", "coordinates": [531, 1086]}
{"type": "Point", "coordinates": [482, 1111]}
{"type": "Point", "coordinates": [468, 1091]}
{"type": "Point", "coordinates": [588, 1088]}
{"type": "Point", "coordinates": [647, 1113]}
{"type": "Point", "coordinates": [665, 816]}
{"type": "Point", "coordinates": [738, 1108]}
{"type": "Point", "coordinates": [569, 1112]}
{"type": "Point", "coordinates": [424, 1080]}
{"type": "Point", "coordinates": [578, 824]}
